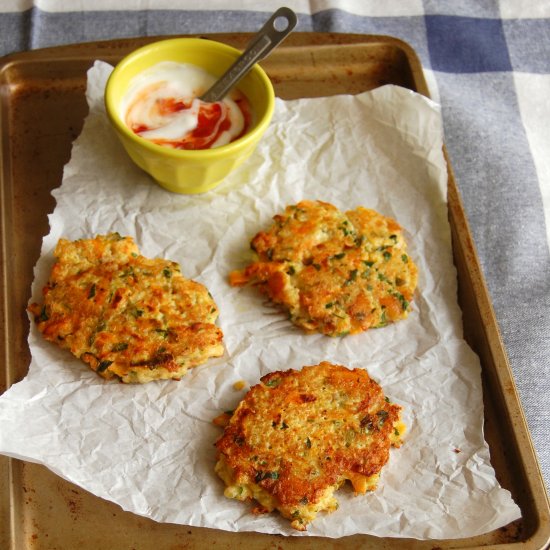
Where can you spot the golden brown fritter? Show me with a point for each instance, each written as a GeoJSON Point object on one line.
{"type": "Point", "coordinates": [125, 315]}
{"type": "Point", "coordinates": [336, 273]}
{"type": "Point", "coordinates": [298, 435]}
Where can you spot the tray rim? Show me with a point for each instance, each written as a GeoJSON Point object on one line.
{"type": "Point", "coordinates": [114, 48]}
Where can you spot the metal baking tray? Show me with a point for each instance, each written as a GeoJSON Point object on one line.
{"type": "Point", "coordinates": [42, 109]}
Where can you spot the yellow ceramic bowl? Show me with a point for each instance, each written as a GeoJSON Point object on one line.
{"type": "Point", "coordinates": [189, 171]}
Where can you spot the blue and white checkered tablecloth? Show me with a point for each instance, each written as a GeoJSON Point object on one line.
{"type": "Point", "coordinates": [486, 61]}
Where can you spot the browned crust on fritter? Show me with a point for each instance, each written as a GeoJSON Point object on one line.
{"type": "Point", "coordinates": [335, 273]}
{"type": "Point", "coordinates": [298, 435]}
{"type": "Point", "coordinates": [127, 316]}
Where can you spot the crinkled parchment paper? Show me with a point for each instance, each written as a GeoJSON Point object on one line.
{"type": "Point", "coordinates": [150, 448]}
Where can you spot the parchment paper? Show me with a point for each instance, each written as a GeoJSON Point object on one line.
{"type": "Point", "coordinates": [150, 448]}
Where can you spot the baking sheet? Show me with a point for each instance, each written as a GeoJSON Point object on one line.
{"type": "Point", "coordinates": [66, 418]}
{"type": "Point", "coordinates": [42, 95]}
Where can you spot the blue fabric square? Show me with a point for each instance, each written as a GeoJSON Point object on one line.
{"type": "Point", "coordinates": [467, 44]}
{"type": "Point", "coordinates": [14, 31]}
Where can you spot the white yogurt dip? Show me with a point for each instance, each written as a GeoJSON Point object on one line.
{"type": "Point", "coordinates": [162, 106]}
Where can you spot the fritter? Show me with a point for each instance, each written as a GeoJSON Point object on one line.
{"type": "Point", "coordinates": [336, 273]}
{"type": "Point", "coordinates": [298, 435]}
{"type": "Point", "coordinates": [127, 316]}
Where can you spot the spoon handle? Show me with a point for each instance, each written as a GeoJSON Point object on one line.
{"type": "Point", "coordinates": [267, 38]}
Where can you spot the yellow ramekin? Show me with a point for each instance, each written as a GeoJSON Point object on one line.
{"type": "Point", "coordinates": [189, 171]}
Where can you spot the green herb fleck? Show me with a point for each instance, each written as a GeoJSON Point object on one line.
{"type": "Point", "coordinates": [120, 346]}
{"type": "Point", "coordinates": [91, 292]}
{"type": "Point", "coordinates": [382, 416]}
{"type": "Point", "coordinates": [344, 229]}
{"type": "Point", "coordinates": [103, 365]}
{"type": "Point", "coordinates": [43, 315]}
{"type": "Point", "coordinates": [352, 276]}
{"type": "Point", "coordinates": [383, 320]}
{"type": "Point", "coordinates": [260, 476]}
{"type": "Point", "coordinates": [127, 272]}
{"type": "Point", "coordinates": [404, 303]}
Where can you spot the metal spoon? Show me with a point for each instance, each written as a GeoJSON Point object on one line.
{"type": "Point", "coordinates": [269, 36]}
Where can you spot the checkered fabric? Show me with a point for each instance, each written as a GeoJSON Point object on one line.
{"type": "Point", "coordinates": [487, 63]}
